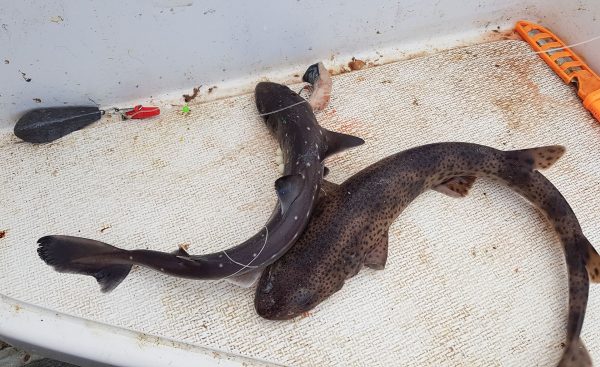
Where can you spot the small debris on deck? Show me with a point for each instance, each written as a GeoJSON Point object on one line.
{"type": "Point", "coordinates": [187, 97]}
{"type": "Point", "coordinates": [185, 110]}
{"type": "Point", "coordinates": [356, 64]}
{"type": "Point", "coordinates": [25, 77]}
{"type": "Point", "coordinates": [57, 19]}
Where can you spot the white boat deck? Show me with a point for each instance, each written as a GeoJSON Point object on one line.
{"type": "Point", "coordinates": [473, 281]}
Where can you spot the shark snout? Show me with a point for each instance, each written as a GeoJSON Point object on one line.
{"type": "Point", "coordinates": [266, 308]}
{"type": "Point", "coordinates": [261, 92]}
{"type": "Point", "coordinates": [283, 305]}
{"type": "Point", "coordinates": [271, 97]}
{"type": "Point", "coordinates": [267, 96]}
{"type": "Point", "coordinates": [265, 303]}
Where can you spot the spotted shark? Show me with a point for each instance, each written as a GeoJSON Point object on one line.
{"type": "Point", "coordinates": [349, 227]}
{"type": "Point", "coordinates": [304, 145]}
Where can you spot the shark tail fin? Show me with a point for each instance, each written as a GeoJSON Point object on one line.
{"type": "Point", "coordinates": [576, 355]}
{"type": "Point", "coordinates": [538, 158]}
{"type": "Point", "coordinates": [64, 254]}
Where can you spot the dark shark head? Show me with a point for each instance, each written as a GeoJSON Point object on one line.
{"type": "Point", "coordinates": [275, 300]}
{"type": "Point", "coordinates": [271, 97]}
{"type": "Point", "coordinates": [285, 291]}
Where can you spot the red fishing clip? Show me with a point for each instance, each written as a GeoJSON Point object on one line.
{"type": "Point", "coordinates": [140, 112]}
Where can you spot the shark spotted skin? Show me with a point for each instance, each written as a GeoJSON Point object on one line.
{"type": "Point", "coordinates": [349, 227]}
{"type": "Point", "coordinates": [304, 145]}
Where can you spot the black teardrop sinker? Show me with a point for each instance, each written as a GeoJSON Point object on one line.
{"type": "Point", "coordinates": [44, 125]}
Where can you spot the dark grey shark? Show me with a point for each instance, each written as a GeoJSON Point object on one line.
{"type": "Point", "coordinates": [304, 145]}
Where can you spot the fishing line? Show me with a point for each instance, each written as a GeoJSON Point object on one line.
{"type": "Point", "coordinates": [282, 109]}
{"type": "Point", "coordinates": [476, 59]}
{"type": "Point", "coordinates": [251, 261]}
{"type": "Point", "coordinates": [533, 53]}
{"type": "Point", "coordinates": [550, 51]}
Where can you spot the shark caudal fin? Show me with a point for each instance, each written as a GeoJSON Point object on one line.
{"type": "Point", "coordinates": [575, 355]}
{"type": "Point", "coordinates": [538, 158]}
{"type": "Point", "coordinates": [63, 253]}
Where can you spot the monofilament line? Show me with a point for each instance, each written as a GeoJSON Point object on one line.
{"type": "Point", "coordinates": [533, 53]}
{"type": "Point", "coordinates": [253, 258]}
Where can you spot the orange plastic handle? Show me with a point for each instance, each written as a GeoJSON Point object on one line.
{"type": "Point", "coordinates": [592, 103]}
{"type": "Point", "coordinates": [564, 62]}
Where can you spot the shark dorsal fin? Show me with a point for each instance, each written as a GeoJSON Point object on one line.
{"type": "Point", "coordinates": [337, 142]}
{"type": "Point", "coordinates": [288, 188]}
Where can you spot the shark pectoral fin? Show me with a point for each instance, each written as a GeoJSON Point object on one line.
{"type": "Point", "coordinates": [456, 187]}
{"type": "Point", "coordinates": [288, 188]}
{"type": "Point", "coordinates": [377, 258]}
{"type": "Point", "coordinates": [576, 355]}
{"type": "Point", "coordinates": [538, 158]}
{"type": "Point", "coordinates": [246, 280]}
{"type": "Point", "coordinates": [325, 171]}
{"type": "Point", "coordinates": [337, 142]}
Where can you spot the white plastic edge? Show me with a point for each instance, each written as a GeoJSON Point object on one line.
{"type": "Point", "coordinates": [56, 335]}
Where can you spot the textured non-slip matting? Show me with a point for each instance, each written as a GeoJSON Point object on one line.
{"type": "Point", "coordinates": [479, 281]}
